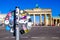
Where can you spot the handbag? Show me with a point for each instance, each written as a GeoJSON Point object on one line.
{"type": "Point", "coordinates": [22, 31]}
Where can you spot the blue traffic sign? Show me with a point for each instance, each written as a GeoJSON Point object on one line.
{"type": "Point", "coordinates": [7, 28]}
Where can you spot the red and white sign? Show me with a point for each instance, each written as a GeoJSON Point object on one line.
{"type": "Point", "coordinates": [6, 21]}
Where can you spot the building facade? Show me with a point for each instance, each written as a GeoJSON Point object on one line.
{"type": "Point", "coordinates": [41, 12]}
{"type": "Point", "coordinates": [56, 21]}
{"type": "Point", "coordinates": [2, 17]}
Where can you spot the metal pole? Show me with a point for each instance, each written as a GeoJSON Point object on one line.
{"type": "Point", "coordinates": [14, 27]}
{"type": "Point", "coordinates": [17, 27]}
{"type": "Point", "coordinates": [17, 33]}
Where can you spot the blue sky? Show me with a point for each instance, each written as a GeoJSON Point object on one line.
{"type": "Point", "coordinates": [9, 5]}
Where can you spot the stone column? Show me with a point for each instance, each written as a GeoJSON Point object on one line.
{"type": "Point", "coordinates": [56, 22]}
{"type": "Point", "coordinates": [40, 19]}
{"type": "Point", "coordinates": [45, 19]}
{"type": "Point", "coordinates": [59, 20]}
{"type": "Point", "coordinates": [50, 19]}
{"type": "Point", "coordinates": [53, 21]}
{"type": "Point", "coordinates": [34, 19]}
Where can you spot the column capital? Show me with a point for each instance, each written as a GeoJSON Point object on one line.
{"type": "Point", "coordinates": [45, 14]}
{"type": "Point", "coordinates": [34, 14]}
{"type": "Point", "coordinates": [40, 14]}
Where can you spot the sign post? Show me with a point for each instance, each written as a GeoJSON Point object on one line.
{"type": "Point", "coordinates": [20, 22]}
{"type": "Point", "coordinates": [23, 20]}
{"type": "Point", "coordinates": [17, 22]}
{"type": "Point", "coordinates": [17, 33]}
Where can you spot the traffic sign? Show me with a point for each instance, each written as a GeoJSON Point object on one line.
{"type": "Point", "coordinates": [19, 17]}
{"type": "Point", "coordinates": [6, 22]}
{"type": "Point", "coordinates": [7, 28]}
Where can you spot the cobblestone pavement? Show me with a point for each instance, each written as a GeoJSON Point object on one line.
{"type": "Point", "coordinates": [36, 33]}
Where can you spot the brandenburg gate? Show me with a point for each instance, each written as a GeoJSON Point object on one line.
{"type": "Point", "coordinates": [41, 12]}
